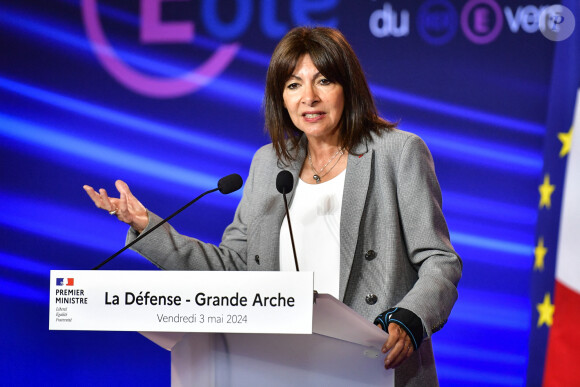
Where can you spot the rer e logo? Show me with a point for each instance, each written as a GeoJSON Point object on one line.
{"type": "Point", "coordinates": [481, 21]}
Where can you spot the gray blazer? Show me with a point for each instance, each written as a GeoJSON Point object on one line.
{"type": "Point", "coordinates": [394, 242]}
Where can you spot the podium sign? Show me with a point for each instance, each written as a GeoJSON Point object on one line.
{"type": "Point", "coordinates": [181, 301]}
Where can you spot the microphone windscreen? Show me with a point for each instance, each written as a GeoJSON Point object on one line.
{"type": "Point", "coordinates": [230, 183]}
{"type": "Point", "coordinates": [284, 182]}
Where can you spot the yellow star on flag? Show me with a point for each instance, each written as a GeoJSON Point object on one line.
{"type": "Point", "coordinates": [566, 139]}
{"type": "Point", "coordinates": [546, 190]}
{"type": "Point", "coordinates": [545, 311]}
{"type": "Point", "coordinates": [539, 254]}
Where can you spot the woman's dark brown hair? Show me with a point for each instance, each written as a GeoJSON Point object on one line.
{"type": "Point", "coordinates": [335, 59]}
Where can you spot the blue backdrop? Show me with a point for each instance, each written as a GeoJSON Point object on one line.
{"type": "Point", "coordinates": [93, 91]}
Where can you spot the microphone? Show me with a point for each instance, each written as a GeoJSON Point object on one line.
{"type": "Point", "coordinates": [226, 185]}
{"type": "Point", "coordinates": [284, 182]}
{"type": "Point", "coordinates": [229, 184]}
{"type": "Point", "coordinates": [284, 185]}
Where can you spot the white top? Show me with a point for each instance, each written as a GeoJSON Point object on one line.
{"type": "Point", "coordinates": [315, 217]}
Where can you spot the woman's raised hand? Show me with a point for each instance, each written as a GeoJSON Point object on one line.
{"type": "Point", "coordinates": [127, 208]}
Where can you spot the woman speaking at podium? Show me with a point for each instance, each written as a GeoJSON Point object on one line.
{"type": "Point", "coordinates": [365, 206]}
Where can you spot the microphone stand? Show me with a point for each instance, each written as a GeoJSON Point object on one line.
{"type": "Point", "coordinates": [290, 228]}
{"type": "Point", "coordinates": [157, 226]}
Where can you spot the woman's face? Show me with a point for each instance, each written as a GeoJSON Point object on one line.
{"type": "Point", "coordinates": [314, 103]}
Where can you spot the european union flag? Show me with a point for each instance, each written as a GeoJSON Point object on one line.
{"type": "Point", "coordinates": [554, 345]}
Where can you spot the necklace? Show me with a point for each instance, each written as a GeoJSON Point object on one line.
{"type": "Point", "coordinates": [318, 175]}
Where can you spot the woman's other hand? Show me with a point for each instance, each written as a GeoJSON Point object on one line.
{"type": "Point", "coordinates": [398, 346]}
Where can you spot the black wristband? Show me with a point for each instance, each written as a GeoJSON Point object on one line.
{"type": "Point", "coordinates": [406, 319]}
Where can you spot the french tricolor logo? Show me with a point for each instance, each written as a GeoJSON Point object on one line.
{"type": "Point", "coordinates": [65, 281]}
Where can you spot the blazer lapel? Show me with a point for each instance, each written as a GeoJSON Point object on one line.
{"type": "Point", "coordinates": [294, 167]}
{"type": "Point", "coordinates": [356, 186]}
